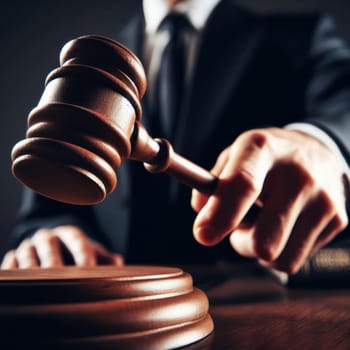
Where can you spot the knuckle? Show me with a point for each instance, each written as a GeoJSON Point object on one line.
{"type": "Point", "coordinates": [302, 177]}
{"type": "Point", "coordinates": [326, 201]}
{"type": "Point", "coordinates": [46, 240]}
{"type": "Point", "coordinates": [247, 180]}
{"type": "Point", "coordinates": [52, 239]}
{"type": "Point", "coordinates": [69, 231]}
{"type": "Point", "coordinates": [77, 244]}
{"type": "Point", "coordinates": [74, 231]}
{"type": "Point", "coordinates": [297, 179]}
{"type": "Point", "coordinates": [83, 245]}
{"type": "Point", "coordinates": [258, 138]}
{"type": "Point", "coordinates": [25, 245]}
{"type": "Point", "coordinates": [42, 234]}
{"type": "Point", "coordinates": [85, 254]}
{"type": "Point", "coordinates": [325, 205]}
{"type": "Point", "coordinates": [341, 222]}
{"type": "Point", "coordinates": [10, 254]}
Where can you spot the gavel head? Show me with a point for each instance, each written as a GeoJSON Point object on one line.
{"type": "Point", "coordinates": [80, 132]}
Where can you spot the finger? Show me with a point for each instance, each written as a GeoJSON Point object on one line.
{"type": "Point", "coordinates": [9, 261]}
{"type": "Point", "coordinates": [240, 184]}
{"type": "Point", "coordinates": [286, 191]}
{"type": "Point", "coordinates": [78, 244]}
{"type": "Point", "coordinates": [198, 200]}
{"type": "Point", "coordinates": [48, 248]}
{"type": "Point", "coordinates": [117, 260]}
{"type": "Point", "coordinates": [242, 241]}
{"type": "Point", "coordinates": [310, 224]}
{"type": "Point", "coordinates": [26, 255]}
{"type": "Point", "coordinates": [104, 257]}
{"type": "Point", "coordinates": [336, 225]}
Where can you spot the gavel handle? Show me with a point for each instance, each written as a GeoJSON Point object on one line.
{"type": "Point", "coordinates": [158, 156]}
{"type": "Point", "coordinates": [181, 168]}
{"type": "Point", "coordinates": [192, 175]}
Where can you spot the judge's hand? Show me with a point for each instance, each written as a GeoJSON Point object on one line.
{"type": "Point", "coordinates": [57, 247]}
{"type": "Point", "coordinates": [297, 181]}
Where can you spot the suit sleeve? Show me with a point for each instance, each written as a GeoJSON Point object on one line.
{"type": "Point", "coordinates": [328, 95]}
{"type": "Point", "coordinates": [328, 90]}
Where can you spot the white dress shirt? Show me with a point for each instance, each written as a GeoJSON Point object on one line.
{"type": "Point", "coordinates": [198, 12]}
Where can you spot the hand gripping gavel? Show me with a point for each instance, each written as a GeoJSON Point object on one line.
{"type": "Point", "coordinates": [87, 123]}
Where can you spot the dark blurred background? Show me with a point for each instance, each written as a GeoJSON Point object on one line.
{"type": "Point", "coordinates": [32, 36]}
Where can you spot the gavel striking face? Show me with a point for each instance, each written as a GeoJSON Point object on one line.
{"type": "Point", "coordinates": [87, 122]}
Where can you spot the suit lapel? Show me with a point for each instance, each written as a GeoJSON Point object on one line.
{"type": "Point", "coordinates": [227, 45]}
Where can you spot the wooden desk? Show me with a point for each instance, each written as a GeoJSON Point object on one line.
{"type": "Point", "coordinates": [251, 310]}
{"type": "Point", "coordinates": [255, 312]}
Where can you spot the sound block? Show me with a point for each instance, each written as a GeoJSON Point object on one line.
{"type": "Point", "coordinates": [103, 307]}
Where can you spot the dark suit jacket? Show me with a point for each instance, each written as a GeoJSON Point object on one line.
{"type": "Point", "coordinates": [252, 71]}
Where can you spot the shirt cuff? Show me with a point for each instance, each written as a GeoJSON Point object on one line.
{"type": "Point", "coordinates": [323, 137]}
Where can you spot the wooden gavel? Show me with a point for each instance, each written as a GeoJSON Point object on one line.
{"type": "Point", "coordinates": [88, 121]}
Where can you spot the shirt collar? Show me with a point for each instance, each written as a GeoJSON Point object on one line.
{"type": "Point", "coordinates": [197, 11]}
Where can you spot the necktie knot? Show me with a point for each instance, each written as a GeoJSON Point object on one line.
{"type": "Point", "coordinates": [175, 23]}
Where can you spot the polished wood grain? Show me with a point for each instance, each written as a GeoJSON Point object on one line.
{"type": "Point", "coordinates": [104, 307]}
{"type": "Point", "coordinates": [88, 121]}
{"type": "Point", "coordinates": [85, 284]}
{"type": "Point", "coordinates": [304, 320]}
{"type": "Point", "coordinates": [251, 310]}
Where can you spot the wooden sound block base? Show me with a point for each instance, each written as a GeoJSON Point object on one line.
{"type": "Point", "coordinates": [104, 307]}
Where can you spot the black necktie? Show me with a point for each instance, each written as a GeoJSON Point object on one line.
{"type": "Point", "coordinates": [170, 83]}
